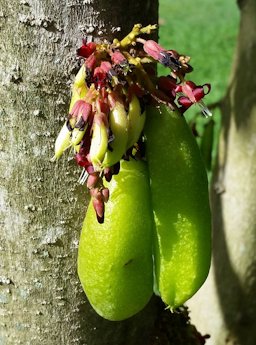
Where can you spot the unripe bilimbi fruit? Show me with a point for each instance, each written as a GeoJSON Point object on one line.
{"type": "Point", "coordinates": [115, 258]}
{"type": "Point", "coordinates": [180, 202]}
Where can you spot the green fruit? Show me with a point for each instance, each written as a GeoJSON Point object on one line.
{"type": "Point", "coordinates": [99, 143]}
{"type": "Point", "coordinates": [179, 190]}
{"type": "Point", "coordinates": [115, 258]}
{"type": "Point", "coordinates": [118, 123]}
{"type": "Point", "coordinates": [63, 142]}
{"type": "Point", "coordinates": [136, 121]}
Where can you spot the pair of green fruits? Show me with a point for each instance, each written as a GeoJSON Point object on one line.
{"type": "Point", "coordinates": [156, 236]}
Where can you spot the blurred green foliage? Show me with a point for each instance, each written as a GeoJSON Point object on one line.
{"type": "Point", "coordinates": [205, 30]}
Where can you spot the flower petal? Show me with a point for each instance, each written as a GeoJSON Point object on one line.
{"type": "Point", "coordinates": [86, 49]}
{"type": "Point", "coordinates": [184, 101]}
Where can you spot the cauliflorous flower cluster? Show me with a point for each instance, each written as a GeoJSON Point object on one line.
{"type": "Point", "coordinates": [110, 93]}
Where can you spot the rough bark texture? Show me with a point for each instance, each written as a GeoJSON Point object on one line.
{"type": "Point", "coordinates": [226, 305]}
{"type": "Point", "coordinates": [41, 205]}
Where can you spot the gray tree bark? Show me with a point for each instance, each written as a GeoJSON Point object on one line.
{"type": "Point", "coordinates": [226, 306]}
{"type": "Point", "coordinates": [41, 205]}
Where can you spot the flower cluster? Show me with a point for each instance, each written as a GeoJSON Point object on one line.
{"type": "Point", "coordinates": [110, 93]}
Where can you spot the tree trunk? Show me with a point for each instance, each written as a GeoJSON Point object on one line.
{"type": "Point", "coordinates": [226, 306]}
{"type": "Point", "coordinates": [41, 205]}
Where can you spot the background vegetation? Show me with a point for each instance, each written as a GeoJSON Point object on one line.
{"type": "Point", "coordinates": [206, 31]}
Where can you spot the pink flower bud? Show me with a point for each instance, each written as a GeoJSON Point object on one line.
{"type": "Point", "coordinates": [93, 192]}
{"type": "Point", "coordinates": [81, 109]}
{"type": "Point", "coordinates": [166, 58]}
{"type": "Point", "coordinates": [118, 58]}
{"type": "Point", "coordinates": [105, 194]}
{"type": "Point", "coordinates": [153, 49]}
{"type": "Point", "coordinates": [92, 180]}
{"type": "Point", "coordinates": [90, 168]}
{"type": "Point", "coordinates": [99, 77]}
{"type": "Point", "coordinates": [105, 66]}
{"type": "Point", "coordinates": [91, 62]}
{"type": "Point", "coordinates": [98, 195]}
{"type": "Point", "coordinates": [99, 208]}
